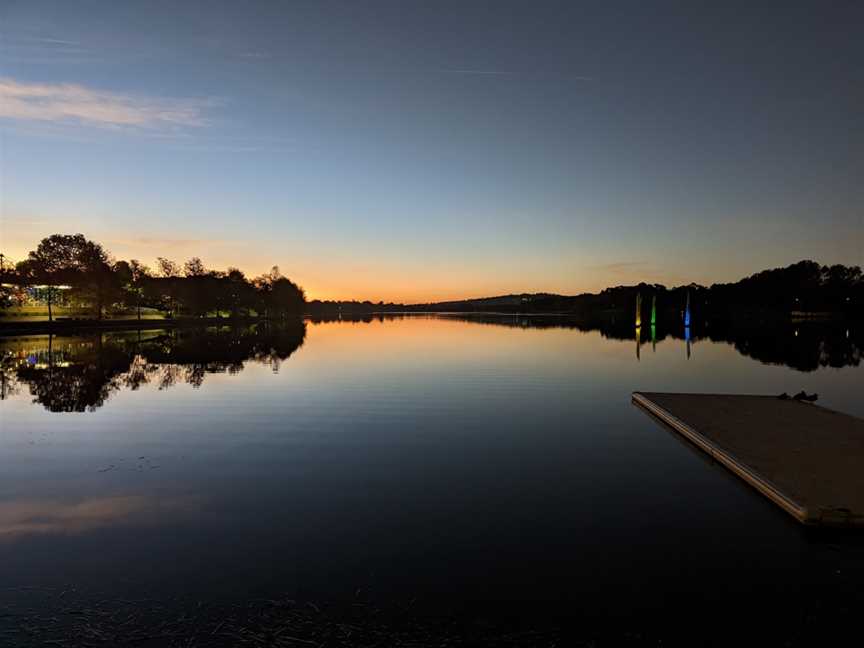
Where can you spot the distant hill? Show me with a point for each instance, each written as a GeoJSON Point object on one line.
{"type": "Point", "coordinates": [486, 303]}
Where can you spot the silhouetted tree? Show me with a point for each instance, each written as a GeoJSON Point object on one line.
{"type": "Point", "coordinates": [194, 268]}
{"type": "Point", "coordinates": [277, 296]}
{"type": "Point", "coordinates": [239, 291]}
{"type": "Point", "coordinates": [286, 297]}
{"type": "Point", "coordinates": [168, 286]}
{"type": "Point", "coordinates": [69, 259]}
{"type": "Point", "coordinates": [95, 274]}
{"type": "Point", "coordinates": [197, 289]}
{"type": "Point", "coordinates": [138, 275]}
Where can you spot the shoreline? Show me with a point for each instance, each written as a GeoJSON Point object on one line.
{"type": "Point", "coordinates": [44, 327]}
{"type": "Point", "coordinates": [65, 326]}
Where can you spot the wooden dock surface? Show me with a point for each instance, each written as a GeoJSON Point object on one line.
{"type": "Point", "coordinates": [807, 459]}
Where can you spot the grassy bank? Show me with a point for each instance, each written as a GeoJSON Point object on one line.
{"type": "Point", "coordinates": [39, 313]}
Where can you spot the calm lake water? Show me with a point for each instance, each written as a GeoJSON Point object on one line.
{"type": "Point", "coordinates": [462, 463]}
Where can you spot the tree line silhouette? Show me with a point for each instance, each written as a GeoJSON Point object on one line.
{"type": "Point", "coordinates": [95, 281]}
{"type": "Point", "coordinates": [92, 279]}
{"type": "Point", "coordinates": [802, 288]}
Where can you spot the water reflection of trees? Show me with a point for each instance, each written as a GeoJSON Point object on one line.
{"type": "Point", "coordinates": [75, 374]}
{"type": "Point", "coordinates": [805, 346]}
{"type": "Point", "coordinates": [81, 373]}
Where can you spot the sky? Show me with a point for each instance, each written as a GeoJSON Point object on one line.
{"type": "Point", "coordinates": [420, 151]}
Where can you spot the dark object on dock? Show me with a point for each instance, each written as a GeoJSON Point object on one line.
{"type": "Point", "coordinates": [804, 396]}
{"type": "Point", "coordinates": [800, 396]}
{"type": "Point", "coordinates": [807, 459]}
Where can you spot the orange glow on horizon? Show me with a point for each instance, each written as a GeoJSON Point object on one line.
{"type": "Point", "coordinates": [352, 275]}
{"type": "Point", "coordinates": [343, 281]}
{"type": "Point", "coordinates": [389, 283]}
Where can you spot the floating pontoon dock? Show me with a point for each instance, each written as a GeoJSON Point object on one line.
{"type": "Point", "coordinates": [807, 459]}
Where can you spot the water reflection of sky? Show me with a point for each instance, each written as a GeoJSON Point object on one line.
{"type": "Point", "coordinates": [385, 453]}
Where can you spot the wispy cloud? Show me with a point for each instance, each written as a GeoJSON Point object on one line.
{"type": "Point", "coordinates": [166, 243]}
{"type": "Point", "coordinates": [54, 41]}
{"type": "Point", "coordinates": [254, 55]}
{"type": "Point", "coordinates": [505, 73]}
{"type": "Point", "coordinates": [72, 103]}
{"type": "Point", "coordinates": [41, 49]}
{"type": "Point", "coordinates": [620, 265]}
{"type": "Point", "coordinates": [478, 72]}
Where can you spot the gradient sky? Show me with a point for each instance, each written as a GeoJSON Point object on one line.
{"type": "Point", "coordinates": [429, 150]}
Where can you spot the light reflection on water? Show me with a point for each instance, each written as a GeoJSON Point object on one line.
{"type": "Point", "coordinates": [410, 456]}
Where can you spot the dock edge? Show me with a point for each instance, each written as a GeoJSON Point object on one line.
{"type": "Point", "coordinates": [800, 513]}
